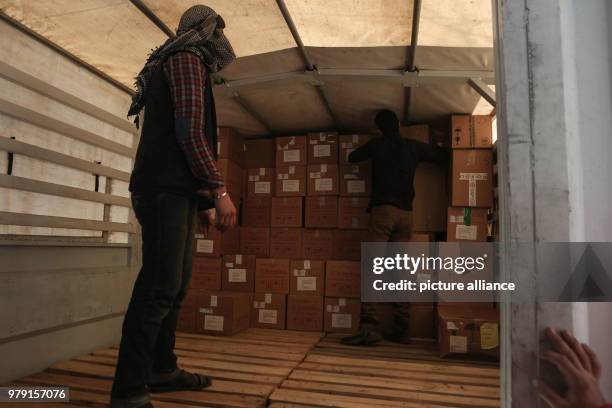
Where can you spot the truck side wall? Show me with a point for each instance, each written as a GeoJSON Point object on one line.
{"type": "Point", "coordinates": [58, 301]}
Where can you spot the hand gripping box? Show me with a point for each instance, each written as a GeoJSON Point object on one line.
{"type": "Point", "coordinates": [224, 313]}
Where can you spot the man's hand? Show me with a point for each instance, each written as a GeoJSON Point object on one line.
{"type": "Point", "coordinates": [225, 210]}
{"type": "Point", "coordinates": [206, 219]}
{"type": "Point", "coordinates": [580, 368]}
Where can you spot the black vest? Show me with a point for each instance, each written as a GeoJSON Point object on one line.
{"type": "Point", "coordinates": [160, 164]}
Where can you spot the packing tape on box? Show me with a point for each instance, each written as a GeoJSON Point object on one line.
{"type": "Point", "coordinates": [239, 259]}
{"type": "Point", "coordinates": [229, 264]}
{"type": "Point", "coordinates": [206, 310]}
{"type": "Point", "coordinates": [213, 301]}
{"type": "Point", "coordinates": [262, 171]}
{"type": "Point", "coordinates": [342, 302]}
{"type": "Point", "coordinates": [291, 169]}
{"type": "Point", "coordinates": [268, 298]}
{"type": "Point", "coordinates": [329, 308]}
{"type": "Point", "coordinates": [253, 178]}
{"type": "Point", "coordinates": [307, 264]}
{"type": "Point", "coordinates": [472, 178]}
{"type": "Point", "coordinates": [324, 168]}
{"type": "Point", "coordinates": [355, 138]}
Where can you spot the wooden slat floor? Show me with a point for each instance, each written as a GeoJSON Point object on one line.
{"type": "Point", "coordinates": [284, 369]}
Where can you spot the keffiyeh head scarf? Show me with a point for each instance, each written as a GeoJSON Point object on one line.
{"type": "Point", "coordinates": [200, 31]}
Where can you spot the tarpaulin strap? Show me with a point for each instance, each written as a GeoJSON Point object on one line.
{"type": "Point", "coordinates": [467, 216]}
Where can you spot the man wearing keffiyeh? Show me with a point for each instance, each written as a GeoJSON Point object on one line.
{"type": "Point", "coordinates": [175, 175]}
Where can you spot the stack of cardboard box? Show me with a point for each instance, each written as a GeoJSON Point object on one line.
{"type": "Point", "coordinates": [470, 328]}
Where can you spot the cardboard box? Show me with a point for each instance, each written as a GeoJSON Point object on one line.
{"type": "Point", "coordinates": [472, 132]}
{"type": "Point", "coordinates": [420, 133]}
{"type": "Point", "coordinates": [216, 243]}
{"type": "Point", "coordinates": [347, 244]}
{"type": "Point", "coordinates": [348, 143]}
{"type": "Point", "coordinates": [323, 179]}
{"type": "Point", "coordinates": [472, 330]}
{"type": "Point", "coordinates": [286, 243]}
{"type": "Point", "coordinates": [356, 180]}
{"type": "Point", "coordinates": [323, 148]}
{"type": "Point", "coordinates": [287, 212]}
{"type": "Point", "coordinates": [307, 277]}
{"type": "Point", "coordinates": [187, 315]}
{"type": "Point", "coordinates": [254, 241]}
{"type": "Point", "coordinates": [272, 275]}
{"type": "Point", "coordinates": [230, 145]}
{"type": "Point", "coordinates": [259, 153]}
{"type": "Point", "coordinates": [321, 212]}
{"type": "Point", "coordinates": [269, 311]}
{"type": "Point", "coordinates": [232, 176]}
{"type": "Point", "coordinates": [260, 182]}
{"type": "Point", "coordinates": [305, 313]}
{"type": "Point", "coordinates": [238, 273]}
{"type": "Point", "coordinates": [352, 212]}
{"type": "Point", "coordinates": [318, 243]}
{"type": "Point", "coordinates": [342, 315]}
{"type": "Point", "coordinates": [206, 273]}
{"type": "Point", "coordinates": [290, 181]}
{"type": "Point", "coordinates": [257, 212]}
{"type": "Point", "coordinates": [431, 198]}
{"type": "Point", "coordinates": [472, 178]}
{"type": "Point", "coordinates": [343, 279]}
{"type": "Point", "coordinates": [224, 313]}
{"type": "Point", "coordinates": [467, 224]}
{"type": "Point", "coordinates": [422, 237]}
{"type": "Point", "coordinates": [291, 151]}
{"type": "Point", "coordinates": [423, 320]}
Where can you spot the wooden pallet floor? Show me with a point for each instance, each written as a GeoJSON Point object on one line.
{"type": "Point", "coordinates": [388, 375]}
{"type": "Point", "coordinates": [284, 369]}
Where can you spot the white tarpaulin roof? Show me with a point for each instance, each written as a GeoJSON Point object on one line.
{"type": "Point", "coordinates": [343, 38]}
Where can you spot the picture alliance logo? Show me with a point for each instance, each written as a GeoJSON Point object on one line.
{"type": "Point", "coordinates": [406, 263]}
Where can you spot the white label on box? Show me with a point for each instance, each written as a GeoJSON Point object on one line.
{"type": "Point", "coordinates": [342, 321]}
{"type": "Point", "coordinates": [451, 326]}
{"type": "Point", "coordinates": [348, 152]}
{"type": "Point", "coordinates": [239, 259]}
{"type": "Point", "coordinates": [291, 156]}
{"type": "Point", "coordinates": [268, 298]}
{"type": "Point", "coordinates": [229, 264]}
{"type": "Point", "coordinates": [262, 171]}
{"type": "Point", "coordinates": [356, 186]}
{"type": "Point", "coordinates": [206, 310]}
{"type": "Point", "coordinates": [324, 168]}
{"type": "Point", "coordinates": [253, 178]}
{"type": "Point", "coordinates": [291, 169]}
{"type": "Point", "coordinates": [355, 138]}
{"type": "Point", "coordinates": [213, 323]}
{"type": "Point", "coordinates": [291, 186]}
{"type": "Point", "coordinates": [351, 177]}
{"type": "Point", "coordinates": [307, 284]}
{"type": "Point", "coordinates": [456, 219]}
{"type": "Point", "coordinates": [329, 308]}
{"type": "Point", "coordinates": [322, 151]}
{"type": "Point", "coordinates": [307, 264]}
{"type": "Point", "coordinates": [213, 301]}
{"type": "Point", "coordinates": [324, 184]}
{"type": "Point", "coordinates": [205, 246]}
{"type": "Point", "coordinates": [472, 178]}
{"type": "Point", "coordinates": [237, 275]}
{"type": "Point", "coordinates": [336, 309]}
{"type": "Point", "coordinates": [218, 148]}
{"type": "Point", "coordinates": [315, 174]}
{"type": "Point", "coordinates": [262, 187]}
{"type": "Point", "coordinates": [255, 304]}
{"type": "Point", "coordinates": [468, 232]}
{"type": "Point", "coordinates": [458, 344]}
{"type": "Point", "coordinates": [342, 302]}
{"type": "Point", "coordinates": [267, 316]}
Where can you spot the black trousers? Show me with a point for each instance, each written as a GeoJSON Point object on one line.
{"type": "Point", "coordinates": [147, 344]}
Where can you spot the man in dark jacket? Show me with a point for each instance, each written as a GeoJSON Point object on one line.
{"type": "Point", "coordinates": [394, 163]}
{"type": "Point", "coordinates": [174, 170]}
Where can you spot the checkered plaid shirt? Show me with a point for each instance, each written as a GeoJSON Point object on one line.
{"type": "Point", "coordinates": [186, 75]}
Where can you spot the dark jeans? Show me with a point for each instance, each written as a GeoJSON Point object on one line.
{"type": "Point", "coordinates": [388, 224]}
{"type": "Point", "coordinates": [147, 343]}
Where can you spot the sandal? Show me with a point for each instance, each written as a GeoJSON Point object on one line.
{"type": "Point", "coordinates": [181, 381]}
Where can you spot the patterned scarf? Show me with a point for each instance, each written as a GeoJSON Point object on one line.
{"type": "Point", "coordinates": [200, 31]}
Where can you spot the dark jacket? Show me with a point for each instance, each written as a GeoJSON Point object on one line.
{"type": "Point", "coordinates": [394, 163]}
